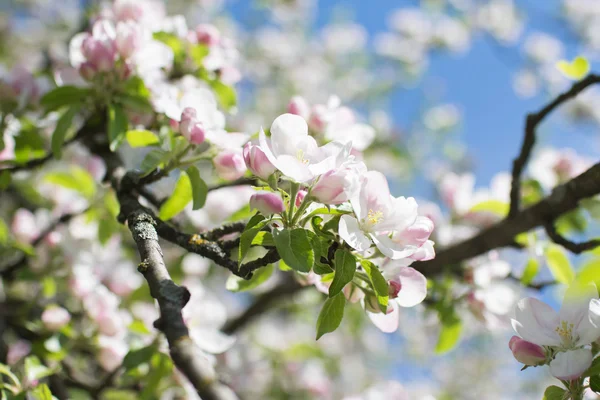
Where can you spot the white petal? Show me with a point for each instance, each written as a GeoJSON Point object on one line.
{"type": "Point", "coordinates": [292, 167]}
{"type": "Point", "coordinates": [392, 249]}
{"type": "Point", "coordinates": [76, 57]}
{"type": "Point", "coordinates": [286, 131]}
{"type": "Point", "coordinates": [386, 322]}
{"type": "Point", "coordinates": [571, 364]}
{"type": "Point", "coordinates": [352, 234]}
{"type": "Point", "coordinates": [575, 310]}
{"type": "Point", "coordinates": [414, 287]}
{"type": "Point", "coordinates": [211, 340]}
{"type": "Point", "coordinates": [536, 322]}
{"type": "Point", "coordinates": [594, 312]}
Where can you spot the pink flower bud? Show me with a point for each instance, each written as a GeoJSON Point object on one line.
{"type": "Point", "coordinates": [55, 317]}
{"type": "Point", "coordinates": [100, 53]}
{"type": "Point", "coordinates": [87, 71]}
{"type": "Point", "coordinates": [526, 352]}
{"type": "Point", "coordinates": [230, 164]}
{"type": "Point", "coordinates": [24, 226]}
{"type": "Point", "coordinates": [257, 162]}
{"type": "Point", "coordinates": [319, 118]}
{"type": "Point", "coordinates": [190, 127]}
{"type": "Point", "coordinates": [17, 351]}
{"type": "Point", "coordinates": [335, 186]}
{"type": "Point", "coordinates": [267, 203]}
{"type": "Point", "coordinates": [394, 288]}
{"type": "Point", "coordinates": [208, 34]}
{"type": "Point", "coordinates": [128, 39]}
{"type": "Point", "coordinates": [300, 197]}
{"type": "Point", "coordinates": [112, 352]}
{"type": "Point", "coordinates": [299, 106]}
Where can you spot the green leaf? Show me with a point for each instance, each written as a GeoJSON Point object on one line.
{"type": "Point", "coordinates": [559, 264]}
{"type": "Point", "coordinates": [139, 356]}
{"type": "Point", "coordinates": [138, 326]}
{"type": "Point", "coordinates": [496, 207]}
{"type": "Point", "coordinates": [345, 266]}
{"type": "Point", "coordinates": [592, 206]}
{"type": "Point", "coordinates": [331, 314]}
{"type": "Point", "coordinates": [153, 160]}
{"type": "Point", "coordinates": [35, 370]}
{"type": "Point", "coordinates": [256, 223]}
{"type": "Point", "coordinates": [225, 94]}
{"type": "Point", "coordinates": [161, 367]}
{"type": "Point", "coordinates": [198, 52]}
{"type": "Point", "coordinates": [5, 370]}
{"type": "Point", "coordinates": [199, 188]}
{"type": "Point", "coordinates": [530, 271]}
{"type": "Point", "coordinates": [590, 272]}
{"type": "Point", "coordinates": [182, 195]}
{"type": "Point", "coordinates": [574, 70]}
{"type": "Point", "coordinates": [134, 102]}
{"type": "Point", "coordinates": [4, 233]}
{"type": "Point", "coordinates": [295, 249]}
{"type": "Point", "coordinates": [595, 383]}
{"type": "Point", "coordinates": [531, 192]}
{"type": "Point", "coordinates": [63, 96]}
{"type": "Point", "coordinates": [172, 41]}
{"type": "Point", "coordinates": [136, 86]}
{"type": "Point", "coordinates": [263, 238]}
{"type": "Point", "coordinates": [77, 179]}
{"type": "Point", "coordinates": [573, 221]}
{"type": "Point", "coordinates": [237, 284]}
{"type": "Point", "coordinates": [42, 392]}
{"type": "Point", "coordinates": [449, 336]}
{"type": "Point", "coordinates": [117, 126]}
{"type": "Point", "coordinates": [63, 125]}
{"type": "Point", "coordinates": [594, 369]}
{"type": "Point", "coordinates": [141, 138]}
{"type": "Point", "coordinates": [554, 393]}
{"type": "Point", "coordinates": [107, 227]}
{"type": "Point", "coordinates": [5, 179]}
{"type": "Point", "coordinates": [380, 285]}
{"type": "Point", "coordinates": [119, 394]}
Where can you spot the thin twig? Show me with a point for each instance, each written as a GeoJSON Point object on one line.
{"type": "Point", "coordinates": [573, 247]}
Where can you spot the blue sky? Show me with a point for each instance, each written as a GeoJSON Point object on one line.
{"type": "Point", "coordinates": [479, 82]}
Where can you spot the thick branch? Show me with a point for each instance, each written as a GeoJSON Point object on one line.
{"type": "Point", "coordinates": [563, 198]}
{"type": "Point", "coordinates": [171, 299]}
{"type": "Point", "coordinates": [532, 121]}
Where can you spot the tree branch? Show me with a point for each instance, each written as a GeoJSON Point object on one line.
{"type": "Point", "coordinates": [171, 299]}
{"type": "Point", "coordinates": [531, 123]}
{"type": "Point", "coordinates": [563, 198]}
{"type": "Point", "coordinates": [573, 247]}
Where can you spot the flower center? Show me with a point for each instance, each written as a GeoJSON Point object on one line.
{"type": "Point", "coordinates": [565, 331]}
{"type": "Point", "coordinates": [300, 157]}
{"type": "Point", "coordinates": [374, 217]}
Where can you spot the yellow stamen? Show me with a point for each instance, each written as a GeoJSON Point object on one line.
{"type": "Point", "coordinates": [565, 331]}
{"type": "Point", "coordinates": [374, 217]}
{"type": "Point", "coordinates": [300, 156]}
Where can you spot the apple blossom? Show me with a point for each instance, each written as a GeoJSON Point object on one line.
{"type": "Point", "coordinates": [300, 197]}
{"type": "Point", "coordinates": [299, 106]}
{"type": "Point", "coordinates": [575, 326]}
{"type": "Point", "coordinates": [338, 185]}
{"type": "Point", "coordinates": [207, 34]}
{"type": "Point", "coordinates": [257, 162]}
{"type": "Point", "coordinates": [378, 214]}
{"type": "Point", "coordinates": [229, 164]}
{"type": "Point", "coordinates": [267, 203]}
{"type": "Point", "coordinates": [55, 317]}
{"type": "Point", "coordinates": [128, 38]}
{"type": "Point", "coordinates": [8, 152]}
{"type": "Point", "coordinates": [296, 154]}
{"type": "Point", "coordinates": [190, 127]}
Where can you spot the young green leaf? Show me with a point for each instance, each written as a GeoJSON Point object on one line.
{"type": "Point", "coordinates": [345, 266]}
{"type": "Point", "coordinates": [256, 223]}
{"type": "Point", "coordinates": [595, 383]}
{"type": "Point", "coordinates": [141, 138]}
{"type": "Point", "coordinates": [449, 336]}
{"type": "Point", "coordinates": [225, 94]}
{"type": "Point", "coordinates": [379, 283]}
{"type": "Point", "coordinates": [554, 393]}
{"type": "Point", "coordinates": [153, 159]}
{"type": "Point", "coordinates": [331, 315]}
{"type": "Point", "coordinates": [199, 188]}
{"type": "Point", "coordinates": [63, 96]}
{"type": "Point", "coordinates": [42, 392]}
{"type": "Point", "coordinates": [295, 249]}
{"type": "Point", "coordinates": [138, 356]}
{"type": "Point", "coordinates": [559, 264]}
{"type": "Point", "coordinates": [263, 238]}
{"type": "Point", "coordinates": [499, 208]}
{"type": "Point", "coordinates": [531, 269]}
{"type": "Point", "coordinates": [63, 126]}
{"type": "Point", "coordinates": [77, 179]}
{"type": "Point", "coordinates": [182, 195]}
{"type": "Point", "coordinates": [576, 69]}
{"type": "Point", "coordinates": [117, 126]}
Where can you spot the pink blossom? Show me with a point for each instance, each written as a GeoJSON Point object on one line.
{"type": "Point", "coordinates": [257, 162]}
{"type": "Point", "coordinates": [267, 203]}
{"type": "Point", "coordinates": [17, 351]}
{"type": "Point", "coordinates": [128, 38]}
{"type": "Point", "coordinates": [300, 197]}
{"type": "Point", "coordinates": [190, 127]}
{"type": "Point", "coordinates": [339, 185]}
{"type": "Point", "coordinates": [112, 351]}
{"type": "Point", "coordinates": [208, 34]}
{"type": "Point", "coordinates": [230, 164]}
{"type": "Point", "coordinates": [299, 106]}
{"type": "Point", "coordinates": [55, 317]}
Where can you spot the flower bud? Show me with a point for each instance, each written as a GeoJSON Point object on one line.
{"type": "Point", "coordinates": [416, 234]}
{"type": "Point", "coordinates": [18, 350]}
{"type": "Point", "coordinates": [526, 352]}
{"type": "Point", "coordinates": [100, 53]}
{"type": "Point", "coordinates": [335, 186]}
{"type": "Point", "coordinates": [55, 317]}
{"type": "Point", "coordinates": [128, 39]}
{"type": "Point", "coordinates": [87, 71]}
{"type": "Point", "coordinates": [300, 197]}
{"type": "Point", "coordinates": [267, 203]}
{"type": "Point", "coordinates": [208, 34]}
{"type": "Point", "coordinates": [112, 352]}
{"type": "Point", "coordinates": [299, 106]}
{"type": "Point", "coordinates": [230, 164]}
{"type": "Point", "coordinates": [257, 162]}
{"type": "Point", "coordinates": [394, 288]}
{"type": "Point", "coordinates": [190, 127]}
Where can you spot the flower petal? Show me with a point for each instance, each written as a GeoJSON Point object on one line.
{"type": "Point", "coordinates": [386, 322]}
{"type": "Point", "coordinates": [286, 131]}
{"type": "Point", "coordinates": [392, 249]}
{"type": "Point", "coordinates": [571, 364]}
{"type": "Point", "coordinates": [576, 310]}
{"type": "Point", "coordinates": [212, 341]}
{"type": "Point", "coordinates": [414, 287]}
{"type": "Point", "coordinates": [352, 234]}
{"type": "Point", "coordinates": [536, 321]}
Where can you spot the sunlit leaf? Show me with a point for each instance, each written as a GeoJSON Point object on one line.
{"type": "Point", "coordinates": [182, 195]}
{"type": "Point", "coordinates": [237, 284]}
{"type": "Point", "coordinates": [199, 188]}
{"type": "Point", "coordinates": [63, 126]}
{"type": "Point", "coordinates": [295, 248]}
{"type": "Point", "coordinates": [559, 264]}
{"type": "Point", "coordinates": [576, 69]}
{"type": "Point", "coordinates": [141, 138]}
{"type": "Point", "coordinates": [449, 336]}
